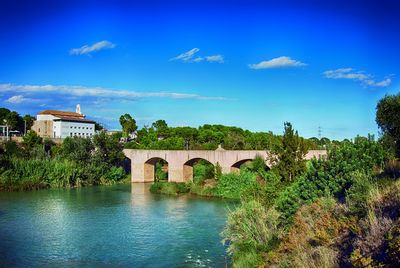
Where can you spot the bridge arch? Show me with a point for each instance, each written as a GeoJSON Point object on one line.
{"type": "Point", "coordinates": [188, 170]}
{"type": "Point", "coordinates": [236, 166]}
{"type": "Point", "coordinates": [150, 168]}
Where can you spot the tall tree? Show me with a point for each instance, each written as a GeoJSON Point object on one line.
{"type": "Point", "coordinates": [128, 124]}
{"type": "Point", "coordinates": [289, 156]}
{"type": "Point", "coordinates": [161, 127]}
{"type": "Point", "coordinates": [388, 119]}
{"type": "Point", "coordinates": [28, 120]}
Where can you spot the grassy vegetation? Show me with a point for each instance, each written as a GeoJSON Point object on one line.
{"type": "Point", "coordinates": [38, 164]}
{"type": "Point", "coordinates": [343, 211]}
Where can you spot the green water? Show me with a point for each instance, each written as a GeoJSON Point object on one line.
{"type": "Point", "coordinates": [114, 226]}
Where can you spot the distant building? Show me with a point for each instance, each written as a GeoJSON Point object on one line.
{"type": "Point", "coordinates": [60, 124]}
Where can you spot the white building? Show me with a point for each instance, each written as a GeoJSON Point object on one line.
{"type": "Point", "coordinates": [60, 124]}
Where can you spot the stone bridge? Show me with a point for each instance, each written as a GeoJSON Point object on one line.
{"type": "Point", "coordinates": [180, 162]}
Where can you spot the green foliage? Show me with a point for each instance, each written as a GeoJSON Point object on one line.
{"type": "Point", "coordinates": [218, 171]}
{"type": "Point", "coordinates": [31, 139]}
{"type": "Point", "coordinates": [388, 118]}
{"type": "Point", "coordinates": [160, 174]}
{"type": "Point", "coordinates": [128, 124]}
{"type": "Point", "coordinates": [108, 150]}
{"type": "Point", "coordinates": [169, 188]}
{"type": "Point", "coordinates": [202, 171]}
{"type": "Point", "coordinates": [273, 187]}
{"type": "Point", "coordinates": [257, 165]}
{"type": "Point", "coordinates": [358, 193]}
{"type": "Point", "coordinates": [289, 157]}
{"type": "Point", "coordinates": [206, 137]}
{"type": "Point", "coordinates": [114, 174]}
{"type": "Point", "coordinates": [36, 174]}
{"type": "Point", "coordinates": [234, 185]}
{"type": "Point", "coordinates": [251, 228]}
{"type": "Point", "coordinates": [76, 149]}
{"type": "Point", "coordinates": [76, 162]}
{"type": "Point", "coordinates": [332, 176]}
{"type": "Point", "coordinates": [14, 120]}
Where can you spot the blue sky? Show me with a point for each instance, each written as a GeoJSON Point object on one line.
{"type": "Point", "coordinates": [252, 64]}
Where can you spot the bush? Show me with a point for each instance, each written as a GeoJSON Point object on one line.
{"type": "Point", "coordinates": [203, 171]}
{"type": "Point", "coordinates": [234, 185]}
{"type": "Point", "coordinates": [44, 173]}
{"type": "Point", "coordinates": [332, 176]}
{"type": "Point", "coordinates": [115, 174]}
{"type": "Point", "coordinates": [251, 228]}
{"type": "Point", "coordinates": [169, 188]}
{"type": "Point", "coordinates": [358, 193]}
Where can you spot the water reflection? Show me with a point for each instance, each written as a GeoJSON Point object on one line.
{"type": "Point", "coordinates": [120, 226]}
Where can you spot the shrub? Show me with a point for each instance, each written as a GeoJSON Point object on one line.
{"type": "Point", "coordinates": [234, 185]}
{"type": "Point", "coordinates": [169, 188]}
{"type": "Point", "coordinates": [358, 193]}
{"type": "Point", "coordinates": [332, 176]}
{"type": "Point", "coordinates": [251, 228]}
{"type": "Point", "coordinates": [203, 171]}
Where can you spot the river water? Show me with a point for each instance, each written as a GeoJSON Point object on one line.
{"type": "Point", "coordinates": [110, 226]}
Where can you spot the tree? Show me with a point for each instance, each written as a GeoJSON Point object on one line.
{"type": "Point", "coordinates": [128, 124]}
{"type": "Point", "coordinates": [98, 126]}
{"type": "Point", "coordinates": [28, 120]}
{"type": "Point", "coordinates": [31, 139]}
{"type": "Point", "coordinates": [77, 149]}
{"type": "Point", "coordinates": [388, 118]}
{"type": "Point", "coordinates": [108, 150]}
{"type": "Point", "coordinates": [161, 127]}
{"type": "Point", "coordinates": [289, 156]}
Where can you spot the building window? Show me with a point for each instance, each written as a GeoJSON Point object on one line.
{"type": "Point", "coordinates": [38, 129]}
{"type": "Point", "coordinates": [70, 134]}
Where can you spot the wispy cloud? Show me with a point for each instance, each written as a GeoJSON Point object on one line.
{"type": "Point", "coordinates": [215, 58]}
{"type": "Point", "coordinates": [88, 49]}
{"type": "Point", "coordinates": [191, 56]}
{"type": "Point", "coordinates": [186, 56]}
{"type": "Point", "coordinates": [98, 92]}
{"type": "Point", "coordinates": [17, 99]}
{"type": "Point", "coordinates": [351, 74]}
{"type": "Point", "coordinates": [279, 62]}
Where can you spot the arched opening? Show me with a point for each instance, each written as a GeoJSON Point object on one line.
{"type": "Point", "coordinates": [126, 165]}
{"type": "Point", "coordinates": [156, 169]}
{"type": "Point", "coordinates": [198, 170]}
{"type": "Point", "coordinates": [247, 163]}
{"type": "Point", "coordinates": [236, 167]}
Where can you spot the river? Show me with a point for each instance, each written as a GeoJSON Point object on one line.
{"type": "Point", "coordinates": [117, 226]}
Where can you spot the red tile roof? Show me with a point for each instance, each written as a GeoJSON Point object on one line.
{"type": "Point", "coordinates": [70, 116]}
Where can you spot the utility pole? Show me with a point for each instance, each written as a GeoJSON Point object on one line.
{"type": "Point", "coordinates": [24, 127]}
{"type": "Point", "coordinates": [319, 132]}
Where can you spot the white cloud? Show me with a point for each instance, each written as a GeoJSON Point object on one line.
{"type": "Point", "coordinates": [215, 58]}
{"type": "Point", "coordinates": [188, 55]}
{"type": "Point", "coordinates": [191, 56]}
{"type": "Point", "coordinates": [80, 91]}
{"type": "Point", "coordinates": [17, 99]}
{"type": "Point", "coordinates": [87, 49]}
{"type": "Point", "coordinates": [280, 62]}
{"type": "Point", "coordinates": [351, 74]}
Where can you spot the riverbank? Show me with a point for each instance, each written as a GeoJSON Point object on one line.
{"type": "Point", "coordinates": [40, 164]}
{"type": "Point", "coordinates": [229, 186]}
